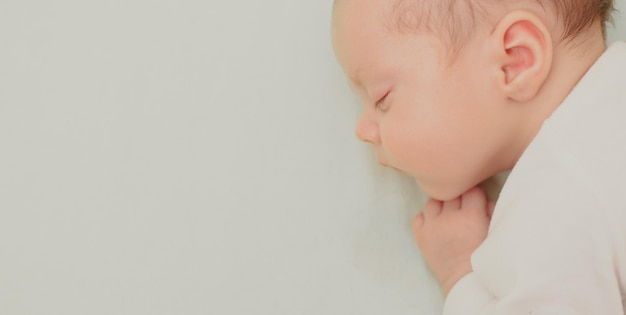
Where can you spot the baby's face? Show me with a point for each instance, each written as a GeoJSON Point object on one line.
{"type": "Point", "coordinates": [435, 123]}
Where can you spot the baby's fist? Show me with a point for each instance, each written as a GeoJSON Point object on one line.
{"type": "Point", "coordinates": [449, 232]}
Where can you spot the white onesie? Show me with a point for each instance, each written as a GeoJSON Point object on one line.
{"type": "Point", "coordinates": [557, 240]}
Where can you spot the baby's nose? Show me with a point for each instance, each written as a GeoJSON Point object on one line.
{"type": "Point", "coordinates": [367, 130]}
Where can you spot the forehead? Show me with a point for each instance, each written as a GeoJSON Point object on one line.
{"type": "Point", "coordinates": [359, 35]}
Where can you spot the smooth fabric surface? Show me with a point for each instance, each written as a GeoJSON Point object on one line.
{"type": "Point", "coordinates": [195, 158]}
{"type": "Point", "coordinates": [557, 239]}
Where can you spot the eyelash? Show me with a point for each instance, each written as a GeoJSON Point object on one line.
{"type": "Point", "coordinates": [379, 104]}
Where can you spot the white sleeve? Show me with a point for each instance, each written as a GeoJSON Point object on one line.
{"type": "Point", "coordinates": [548, 253]}
{"type": "Point", "coordinates": [458, 302]}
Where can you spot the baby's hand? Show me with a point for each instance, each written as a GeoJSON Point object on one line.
{"type": "Point", "coordinates": [449, 232]}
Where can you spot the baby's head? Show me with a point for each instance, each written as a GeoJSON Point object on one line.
{"type": "Point", "coordinates": [453, 91]}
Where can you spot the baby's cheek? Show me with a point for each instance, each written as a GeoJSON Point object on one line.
{"type": "Point", "coordinates": [426, 160]}
{"type": "Point", "coordinates": [407, 150]}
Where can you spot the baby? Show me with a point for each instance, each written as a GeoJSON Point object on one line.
{"type": "Point", "coordinates": [456, 91]}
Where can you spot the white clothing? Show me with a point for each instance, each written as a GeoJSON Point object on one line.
{"type": "Point", "coordinates": [557, 239]}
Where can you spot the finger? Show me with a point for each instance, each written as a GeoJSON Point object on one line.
{"type": "Point", "coordinates": [418, 222]}
{"type": "Point", "coordinates": [474, 198]}
{"type": "Point", "coordinates": [491, 206]}
{"type": "Point", "coordinates": [454, 204]}
{"type": "Point", "coordinates": [432, 209]}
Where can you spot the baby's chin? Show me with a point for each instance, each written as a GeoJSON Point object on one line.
{"type": "Point", "coordinates": [449, 191]}
{"type": "Point", "coordinates": [439, 190]}
{"type": "Point", "coordinates": [442, 192]}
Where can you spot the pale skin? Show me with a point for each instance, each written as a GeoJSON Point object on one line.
{"type": "Point", "coordinates": [448, 125]}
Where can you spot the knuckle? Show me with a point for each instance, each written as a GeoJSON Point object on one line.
{"type": "Point", "coordinates": [431, 212]}
{"type": "Point", "coordinates": [432, 205]}
{"type": "Point", "coordinates": [418, 221]}
{"type": "Point", "coordinates": [475, 193]}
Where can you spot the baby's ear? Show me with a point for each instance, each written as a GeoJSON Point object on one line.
{"type": "Point", "coordinates": [523, 49]}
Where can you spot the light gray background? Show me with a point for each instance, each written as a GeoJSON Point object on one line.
{"type": "Point", "coordinates": [193, 157]}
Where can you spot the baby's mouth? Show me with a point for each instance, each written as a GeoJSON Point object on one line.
{"type": "Point", "coordinates": [385, 164]}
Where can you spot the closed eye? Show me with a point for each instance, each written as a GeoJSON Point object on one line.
{"type": "Point", "coordinates": [380, 104]}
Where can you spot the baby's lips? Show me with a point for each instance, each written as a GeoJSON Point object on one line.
{"type": "Point", "coordinates": [383, 163]}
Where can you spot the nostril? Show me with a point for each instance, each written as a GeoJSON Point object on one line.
{"type": "Point", "coordinates": [365, 136]}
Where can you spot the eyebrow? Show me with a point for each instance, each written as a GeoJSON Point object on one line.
{"type": "Point", "coordinates": [356, 78]}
